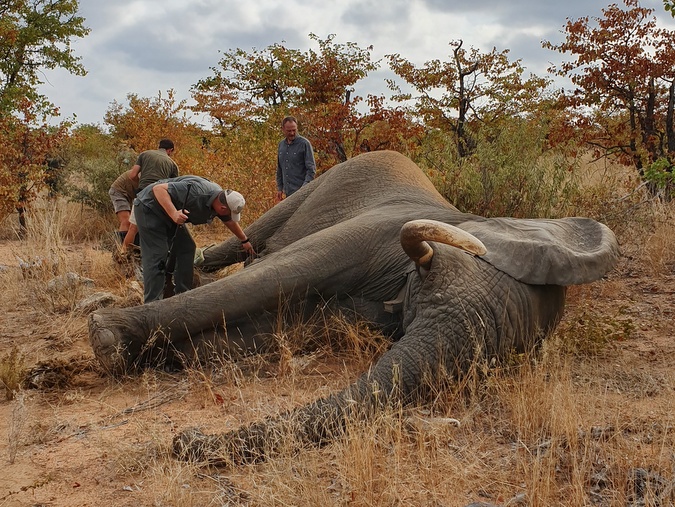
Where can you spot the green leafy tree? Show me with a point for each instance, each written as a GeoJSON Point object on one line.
{"type": "Point", "coordinates": [35, 36]}
{"type": "Point", "coordinates": [249, 84]}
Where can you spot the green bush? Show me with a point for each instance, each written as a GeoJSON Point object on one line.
{"type": "Point", "coordinates": [92, 176]}
{"type": "Point", "coordinates": [508, 174]}
{"type": "Point", "coordinates": [91, 183]}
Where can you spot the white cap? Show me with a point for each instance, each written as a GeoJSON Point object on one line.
{"type": "Point", "coordinates": [236, 203]}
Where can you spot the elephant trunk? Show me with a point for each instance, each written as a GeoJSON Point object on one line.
{"type": "Point", "coordinates": [318, 423]}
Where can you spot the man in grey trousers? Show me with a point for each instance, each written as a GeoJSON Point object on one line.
{"type": "Point", "coordinates": [162, 208]}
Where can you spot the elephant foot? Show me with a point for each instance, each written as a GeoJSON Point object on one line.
{"type": "Point", "coordinates": [107, 346]}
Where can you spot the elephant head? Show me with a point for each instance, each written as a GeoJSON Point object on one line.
{"type": "Point", "coordinates": [372, 236]}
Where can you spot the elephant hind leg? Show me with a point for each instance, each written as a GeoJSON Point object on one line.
{"type": "Point", "coordinates": [108, 346]}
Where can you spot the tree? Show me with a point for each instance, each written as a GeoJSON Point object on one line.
{"type": "Point", "coordinates": [35, 35]}
{"type": "Point", "coordinates": [327, 101]}
{"type": "Point", "coordinates": [144, 121]}
{"type": "Point", "coordinates": [248, 84]}
{"type": "Point", "coordinates": [622, 68]}
{"type": "Point", "coordinates": [27, 142]}
{"type": "Point", "coordinates": [669, 6]}
{"type": "Point", "coordinates": [316, 86]}
{"type": "Point", "coordinates": [473, 87]}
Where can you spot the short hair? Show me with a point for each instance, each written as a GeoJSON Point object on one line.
{"type": "Point", "coordinates": [288, 119]}
{"type": "Point", "coordinates": [222, 198]}
{"type": "Point", "coordinates": [166, 144]}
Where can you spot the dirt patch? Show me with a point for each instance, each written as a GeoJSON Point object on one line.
{"type": "Point", "coordinates": [74, 436]}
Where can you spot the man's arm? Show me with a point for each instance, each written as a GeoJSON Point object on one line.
{"type": "Point", "coordinates": [236, 229]}
{"type": "Point", "coordinates": [310, 164]}
{"type": "Point", "coordinates": [280, 180]}
{"type": "Point", "coordinates": [134, 173]}
{"type": "Point", "coordinates": [161, 193]}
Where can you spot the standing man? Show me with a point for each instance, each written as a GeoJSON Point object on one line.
{"type": "Point", "coordinates": [161, 210]}
{"type": "Point", "coordinates": [122, 194]}
{"type": "Point", "coordinates": [295, 160]}
{"type": "Point", "coordinates": [150, 166]}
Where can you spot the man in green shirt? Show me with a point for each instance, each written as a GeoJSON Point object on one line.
{"type": "Point", "coordinates": [150, 166]}
{"type": "Point", "coordinates": [155, 165]}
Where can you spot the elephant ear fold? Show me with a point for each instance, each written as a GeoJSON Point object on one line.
{"type": "Point", "coordinates": [566, 251]}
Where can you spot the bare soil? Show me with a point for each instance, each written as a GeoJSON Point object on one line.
{"type": "Point", "coordinates": [73, 436]}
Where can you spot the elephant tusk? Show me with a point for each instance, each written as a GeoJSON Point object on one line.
{"type": "Point", "coordinates": [416, 233]}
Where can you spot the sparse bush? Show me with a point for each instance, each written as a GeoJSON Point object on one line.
{"type": "Point", "coordinates": [588, 332]}
{"type": "Point", "coordinates": [94, 159]}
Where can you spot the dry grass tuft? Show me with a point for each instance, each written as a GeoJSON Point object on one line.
{"type": "Point", "coordinates": [16, 426]}
{"type": "Point", "coordinates": [12, 372]}
{"type": "Point", "coordinates": [658, 248]}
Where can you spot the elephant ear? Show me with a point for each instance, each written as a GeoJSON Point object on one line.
{"type": "Point", "coordinates": [566, 251]}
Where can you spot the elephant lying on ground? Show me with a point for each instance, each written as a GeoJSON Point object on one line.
{"type": "Point", "coordinates": [371, 236]}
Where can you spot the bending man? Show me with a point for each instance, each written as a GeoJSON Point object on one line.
{"type": "Point", "coordinates": [162, 208]}
{"type": "Point", "coordinates": [150, 166]}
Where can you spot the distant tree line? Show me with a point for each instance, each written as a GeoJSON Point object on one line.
{"type": "Point", "coordinates": [479, 126]}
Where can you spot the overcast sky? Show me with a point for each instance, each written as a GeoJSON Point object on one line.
{"type": "Point", "coordinates": [150, 46]}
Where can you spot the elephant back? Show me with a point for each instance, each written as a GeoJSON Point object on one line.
{"type": "Point", "coordinates": [356, 187]}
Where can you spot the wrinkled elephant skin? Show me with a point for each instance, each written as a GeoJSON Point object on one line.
{"type": "Point", "coordinates": [341, 239]}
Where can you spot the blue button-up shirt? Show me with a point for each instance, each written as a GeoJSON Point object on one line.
{"type": "Point", "coordinates": [295, 165]}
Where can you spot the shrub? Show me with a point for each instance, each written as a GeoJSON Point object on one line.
{"type": "Point", "coordinates": [507, 175]}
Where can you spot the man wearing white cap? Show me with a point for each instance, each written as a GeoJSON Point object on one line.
{"type": "Point", "coordinates": [162, 209]}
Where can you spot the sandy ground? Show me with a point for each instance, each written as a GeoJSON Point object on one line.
{"type": "Point", "coordinates": [77, 437]}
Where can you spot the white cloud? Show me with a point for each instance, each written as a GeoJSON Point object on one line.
{"type": "Point", "coordinates": [147, 46]}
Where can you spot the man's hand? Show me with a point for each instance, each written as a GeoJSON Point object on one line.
{"type": "Point", "coordinates": [248, 247]}
{"type": "Point", "coordinates": [279, 197]}
{"type": "Point", "coordinates": [180, 216]}
{"type": "Point", "coordinates": [161, 192]}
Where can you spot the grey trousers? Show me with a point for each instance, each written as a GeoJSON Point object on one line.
{"type": "Point", "coordinates": [156, 234]}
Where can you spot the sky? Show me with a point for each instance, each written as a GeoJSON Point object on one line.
{"type": "Point", "coordinates": [147, 47]}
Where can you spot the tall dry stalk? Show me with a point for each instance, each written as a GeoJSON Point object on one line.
{"type": "Point", "coordinates": [16, 425]}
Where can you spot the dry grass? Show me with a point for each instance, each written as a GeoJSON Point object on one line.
{"type": "Point", "coordinates": [12, 372]}
{"type": "Point", "coordinates": [586, 422]}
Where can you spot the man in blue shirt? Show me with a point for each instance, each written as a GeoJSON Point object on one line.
{"type": "Point", "coordinates": [162, 208]}
{"type": "Point", "coordinates": [295, 160]}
